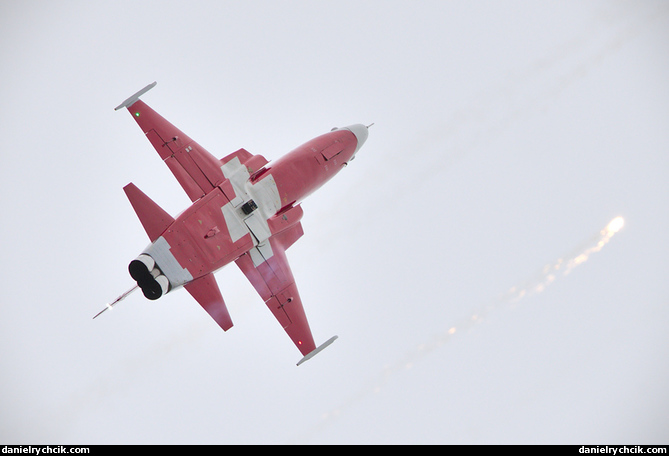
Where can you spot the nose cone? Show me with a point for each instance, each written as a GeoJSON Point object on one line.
{"type": "Point", "coordinates": [361, 133]}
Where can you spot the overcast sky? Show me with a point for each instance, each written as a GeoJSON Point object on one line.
{"type": "Point", "coordinates": [507, 135]}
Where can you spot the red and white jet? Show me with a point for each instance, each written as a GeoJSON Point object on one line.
{"type": "Point", "coordinates": [244, 210]}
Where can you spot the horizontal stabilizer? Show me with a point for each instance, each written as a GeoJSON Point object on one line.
{"type": "Point", "coordinates": [206, 292]}
{"type": "Point", "coordinates": [153, 217]}
{"type": "Point", "coordinates": [318, 350]}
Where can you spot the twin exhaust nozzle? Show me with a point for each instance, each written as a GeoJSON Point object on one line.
{"type": "Point", "coordinates": [149, 277]}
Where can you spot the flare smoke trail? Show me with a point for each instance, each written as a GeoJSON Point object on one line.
{"type": "Point", "coordinates": [563, 266]}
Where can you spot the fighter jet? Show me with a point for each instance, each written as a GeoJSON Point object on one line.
{"type": "Point", "coordinates": [245, 210]}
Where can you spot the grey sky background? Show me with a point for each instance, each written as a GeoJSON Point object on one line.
{"type": "Point", "coordinates": [507, 135]}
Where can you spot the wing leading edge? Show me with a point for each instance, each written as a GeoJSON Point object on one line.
{"type": "Point", "coordinates": [274, 281]}
{"type": "Point", "coordinates": [197, 170]}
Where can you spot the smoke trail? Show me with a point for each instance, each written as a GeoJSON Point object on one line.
{"type": "Point", "coordinates": [564, 265]}
{"type": "Point", "coordinates": [561, 267]}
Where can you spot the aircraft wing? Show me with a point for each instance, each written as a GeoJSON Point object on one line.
{"type": "Point", "coordinates": [197, 170]}
{"type": "Point", "coordinates": [269, 272]}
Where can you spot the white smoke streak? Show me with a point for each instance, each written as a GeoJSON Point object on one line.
{"type": "Point", "coordinates": [564, 265]}
{"type": "Point", "coordinates": [561, 267]}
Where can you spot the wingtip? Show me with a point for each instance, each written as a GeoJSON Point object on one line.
{"type": "Point", "coordinates": [321, 347]}
{"type": "Point", "coordinates": [134, 97]}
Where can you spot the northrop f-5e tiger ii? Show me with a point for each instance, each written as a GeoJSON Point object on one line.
{"type": "Point", "coordinates": [244, 209]}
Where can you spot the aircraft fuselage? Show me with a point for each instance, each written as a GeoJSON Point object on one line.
{"type": "Point", "coordinates": [243, 211]}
